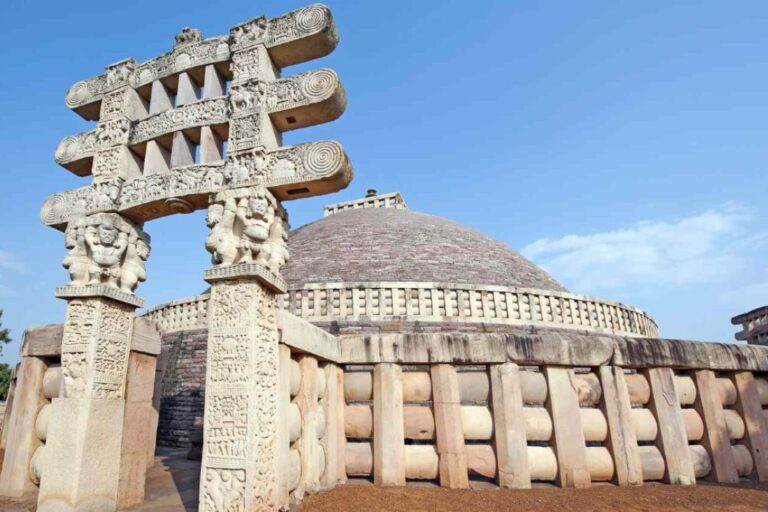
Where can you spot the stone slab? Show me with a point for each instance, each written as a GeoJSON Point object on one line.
{"type": "Point", "coordinates": [85, 440]}
{"type": "Point", "coordinates": [446, 403]}
{"type": "Point", "coordinates": [388, 430]}
{"type": "Point", "coordinates": [622, 441]}
{"type": "Point", "coordinates": [509, 424]}
{"type": "Point", "coordinates": [246, 271]}
{"type": "Point", "coordinates": [99, 290]}
{"type": "Point", "coordinates": [709, 405]}
{"type": "Point", "coordinates": [28, 399]}
{"type": "Point", "coordinates": [568, 435]}
{"type": "Point", "coordinates": [302, 336]}
{"type": "Point", "coordinates": [42, 340]}
{"type": "Point", "coordinates": [755, 420]}
{"type": "Point", "coordinates": [671, 439]}
{"type": "Point", "coordinates": [687, 354]}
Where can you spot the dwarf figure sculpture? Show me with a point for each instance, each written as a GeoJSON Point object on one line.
{"type": "Point", "coordinates": [106, 249]}
{"type": "Point", "coordinates": [246, 228]}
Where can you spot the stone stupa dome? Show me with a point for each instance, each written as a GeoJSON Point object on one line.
{"type": "Point", "coordinates": [388, 244]}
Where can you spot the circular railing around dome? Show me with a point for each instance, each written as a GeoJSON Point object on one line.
{"type": "Point", "coordinates": [435, 302]}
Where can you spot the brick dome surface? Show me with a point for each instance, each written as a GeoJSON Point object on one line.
{"type": "Point", "coordinates": [403, 245]}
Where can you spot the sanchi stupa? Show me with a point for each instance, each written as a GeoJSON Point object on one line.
{"type": "Point", "coordinates": [375, 343]}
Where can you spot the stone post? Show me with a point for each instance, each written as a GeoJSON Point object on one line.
{"type": "Point", "coordinates": [20, 426]}
{"type": "Point", "coordinates": [241, 450]}
{"type": "Point", "coordinates": [83, 450]}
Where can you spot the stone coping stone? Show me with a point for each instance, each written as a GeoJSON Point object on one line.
{"type": "Point", "coordinates": [45, 340]}
{"type": "Point", "coordinates": [563, 349]}
{"type": "Point", "coordinates": [560, 348]}
{"type": "Point", "coordinates": [99, 290]}
{"type": "Point", "coordinates": [302, 336]}
{"type": "Point", "coordinates": [244, 271]}
{"type": "Point", "coordinates": [687, 354]}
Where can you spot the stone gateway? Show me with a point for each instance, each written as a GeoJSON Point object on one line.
{"type": "Point", "coordinates": [376, 343]}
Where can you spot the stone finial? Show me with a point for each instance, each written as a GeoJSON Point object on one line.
{"type": "Point", "coordinates": [372, 199]}
{"type": "Point", "coordinates": [187, 36]}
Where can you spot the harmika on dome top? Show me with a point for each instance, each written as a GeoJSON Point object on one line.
{"type": "Point", "coordinates": [388, 244]}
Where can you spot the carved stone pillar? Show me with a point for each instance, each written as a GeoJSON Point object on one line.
{"type": "Point", "coordinates": [241, 453]}
{"type": "Point", "coordinates": [82, 465]}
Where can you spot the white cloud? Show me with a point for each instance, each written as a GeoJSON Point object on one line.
{"type": "Point", "coordinates": [703, 248]}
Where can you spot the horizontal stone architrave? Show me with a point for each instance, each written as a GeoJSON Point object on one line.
{"type": "Point", "coordinates": [294, 102]}
{"type": "Point", "coordinates": [315, 168]}
{"type": "Point", "coordinates": [299, 36]}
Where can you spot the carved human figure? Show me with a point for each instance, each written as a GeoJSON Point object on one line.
{"type": "Point", "coordinates": [107, 245]}
{"type": "Point", "coordinates": [133, 270]}
{"type": "Point", "coordinates": [274, 253]}
{"type": "Point", "coordinates": [256, 213]}
{"type": "Point", "coordinates": [77, 261]}
{"type": "Point", "coordinates": [222, 242]}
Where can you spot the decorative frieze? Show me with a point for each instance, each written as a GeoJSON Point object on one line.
{"type": "Point", "coordinates": [95, 348]}
{"type": "Point", "coordinates": [318, 90]}
{"type": "Point", "coordinates": [190, 52]}
{"type": "Point", "coordinates": [240, 450]}
{"type": "Point", "coordinates": [200, 113]}
{"type": "Point", "coordinates": [145, 198]}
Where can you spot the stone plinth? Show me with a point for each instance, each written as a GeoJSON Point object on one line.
{"type": "Point", "coordinates": [240, 451]}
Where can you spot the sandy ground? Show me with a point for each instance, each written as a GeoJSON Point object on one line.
{"type": "Point", "coordinates": [172, 485]}
{"type": "Point", "coordinates": [744, 497]}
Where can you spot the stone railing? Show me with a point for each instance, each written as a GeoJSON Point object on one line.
{"type": "Point", "coordinates": [563, 408]}
{"type": "Point", "coordinates": [434, 302]}
{"type": "Point", "coordinates": [182, 314]}
{"type": "Point", "coordinates": [438, 302]}
{"type": "Point", "coordinates": [754, 326]}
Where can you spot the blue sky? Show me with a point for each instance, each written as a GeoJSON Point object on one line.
{"type": "Point", "coordinates": [621, 145]}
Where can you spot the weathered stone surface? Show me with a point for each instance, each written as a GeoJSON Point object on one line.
{"type": "Point", "coordinates": [388, 439]}
{"type": "Point", "coordinates": [82, 443]}
{"type": "Point", "coordinates": [650, 352]}
{"type": "Point", "coordinates": [22, 441]}
{"type": "Point", "coordinates": [302, 336]}
{"type": "Point", "coordinates": [41, 341]}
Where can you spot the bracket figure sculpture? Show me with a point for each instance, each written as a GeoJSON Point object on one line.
{"type": "Point", "coordinates": [157, 152]}
{"type": "Point", "coordinates": [247, 226]}
{"type": "Point", "coordinates": [106, 249]}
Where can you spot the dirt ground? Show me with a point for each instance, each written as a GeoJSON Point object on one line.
{"type": "Point", "coordinates": [752, 497]}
